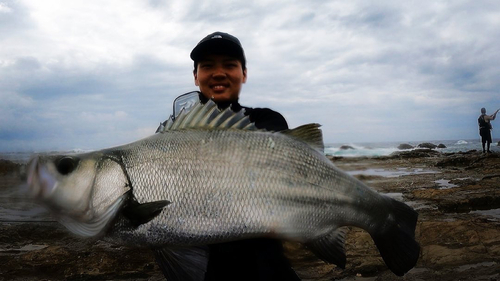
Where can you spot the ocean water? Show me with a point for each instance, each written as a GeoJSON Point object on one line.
{"type": "Point", "coordinates": [333, 149]}
{"type": "Point", "coordinates": [24, 157]}
{"type": "Point", "coordinates": [386, 148]}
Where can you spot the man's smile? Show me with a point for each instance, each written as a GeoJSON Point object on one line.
{"type": "Point", "coordinates": [219, 87]}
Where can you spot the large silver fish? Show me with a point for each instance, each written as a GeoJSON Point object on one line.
{"type": "Point", "coordinates": [211, 177]}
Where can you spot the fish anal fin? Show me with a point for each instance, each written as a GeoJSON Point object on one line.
{"type": "Point", "coordinates": [330, 247]}
{"type": "Point", "coordinates": [308, 133]}
{"type": "Point", "coordinates": [397, 244]}
{"type": "Point", "coordinates": [184, 264]}
{"type": "Point", "coordinates": [139, 213]}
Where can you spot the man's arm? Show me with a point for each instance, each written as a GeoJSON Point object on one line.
{"type": "Point", "coordinates": [491, 117]}
{"type": "Point", "coordinates": [268, 119]}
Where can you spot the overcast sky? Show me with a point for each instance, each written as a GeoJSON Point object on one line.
{"type": "Point", "coordinates": [95, 74]}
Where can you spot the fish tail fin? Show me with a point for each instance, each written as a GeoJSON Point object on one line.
{"type": "Point", "coordinates": [397, 244]}
{"type": "Point", "coordinates": [330, 247]}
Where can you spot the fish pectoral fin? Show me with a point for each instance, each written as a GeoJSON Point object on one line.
{"type": "Point", "coordinates": [188, 264]}
{"type": "Point", "coordinates": [330, 247]}
{"type": "Point", "coordinates": [139, 213]}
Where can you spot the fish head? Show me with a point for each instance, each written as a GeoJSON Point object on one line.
{"type": "Point", "coordinates": [62, 183]}
{"type": "Point", "coordinates": [84, 192]}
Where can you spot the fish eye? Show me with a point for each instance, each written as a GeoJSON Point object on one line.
{"type": "Point", "coordinates": [66, 164]}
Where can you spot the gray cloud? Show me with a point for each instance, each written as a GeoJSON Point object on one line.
{"type": "Point", "coordinates": [367, 71]}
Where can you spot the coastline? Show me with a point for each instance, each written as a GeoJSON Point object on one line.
{"type": "Point", "coordinates": [456, 195]}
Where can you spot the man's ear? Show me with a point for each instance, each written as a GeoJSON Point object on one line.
{"type": "Point", "coordinates": [196, 83]}
{"type": "Point", "coordinates": [245, 75]}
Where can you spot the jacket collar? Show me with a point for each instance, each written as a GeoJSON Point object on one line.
{"type": "Point", "coordinates": [234, 105]}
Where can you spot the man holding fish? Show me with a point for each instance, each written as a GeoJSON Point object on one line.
{"type": "Point", "coordinates": [220, 72]}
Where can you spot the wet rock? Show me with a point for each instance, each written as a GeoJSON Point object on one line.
{"type": "Point", "coordinates": [346, 147]}
{"type": "Point", "coordinates": [414, 153]}
{"type": "Point", "coordinates": [7, 166]}
{"type": "Point", "coordinates": [405, 146]}
{"type": "Point", "coordinates": [472, 203]}
{"type": "Point", "coordinates": [335, 158]}
{"type": "Point", "coordinates": [450, 243]}
{"type": "Point", "coordinates": [456, 160]}
{"type": "Point", "coordinates": [427, 145]}
{"type": "Point", "coordinates": [441, 145]}
{"type": "Point", "coordinates": [455, 244]}
{"type": "Point", "coordinates": [469, 193]}
{"type": "Point", "coordinates": [468, 160]}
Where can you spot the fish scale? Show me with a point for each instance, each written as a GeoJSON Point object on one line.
{"type": "Point", "coordinates": [202, 181]}
{"type": "Point", "coordinates": [250, 204]}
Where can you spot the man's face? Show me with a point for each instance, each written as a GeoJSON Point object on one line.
{"type": "Point", "coordinates": [220, 77]}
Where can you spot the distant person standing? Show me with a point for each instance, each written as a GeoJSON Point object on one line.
{"type": "Point", "coordinates": [485, 128]}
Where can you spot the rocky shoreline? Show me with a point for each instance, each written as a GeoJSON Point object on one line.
{"type": "Point", "coordinates": [457, 196]}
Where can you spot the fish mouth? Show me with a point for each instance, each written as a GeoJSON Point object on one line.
{"type": "Point", "coordinates": [40, 182]}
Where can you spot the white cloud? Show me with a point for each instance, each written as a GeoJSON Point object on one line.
{"type": "Point", "coordinates": [367, 71]}
{"type": "Point", "coordinates": [4, 8]}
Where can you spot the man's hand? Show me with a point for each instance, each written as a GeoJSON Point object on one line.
{"type": "Point", "coordinates": [492, 117]}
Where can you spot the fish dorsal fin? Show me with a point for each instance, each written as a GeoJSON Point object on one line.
{"type": "Point", "coordinates": [209, 116]}
{"type": "Point", "coordinates": [310, 134]}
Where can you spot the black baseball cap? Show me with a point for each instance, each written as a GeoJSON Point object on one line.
{"type": "Point", "coordinates": [219, 43]}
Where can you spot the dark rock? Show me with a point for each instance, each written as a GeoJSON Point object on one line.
{"type": "Point", "coordinates": [498, 144]}
{"type": "Point", "coordinates": [471, 159]}
{"type": "Point", "coordinates": [414, 153]}
{"type": "Point", "coordinates": [335, 158]}
{"type": "Point", "coordinates": [427, 145]}
{"type": "Point", "coordinates": [405, 146]}
{"type": "Point", "coordinates": [441, 145]}
{"type": "Point", "coordinates": [346, 147]}
{"type": "Point", "coordinates": [456, 160]}
{"type": "Point", "coordinates": [7, 166]}
{"type": "Point", "coordinates": [470, 203]}
{"type": "Point", "coordinates": [452, 230]}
